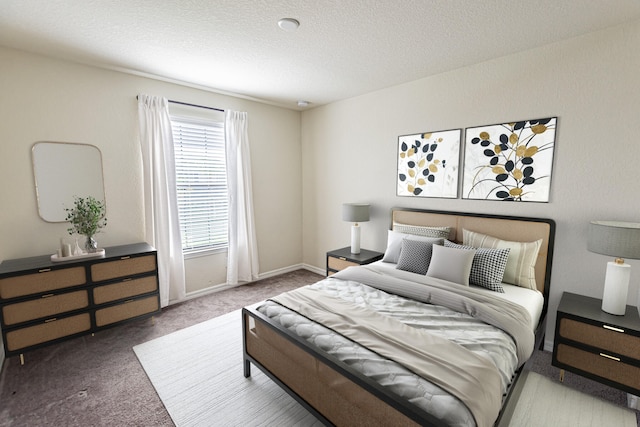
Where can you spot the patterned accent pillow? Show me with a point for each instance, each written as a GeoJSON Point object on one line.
{"type": "Point", "coordinates": [420, 230]}
{"type": "Point", "coordinates": [415, 256]}
{"type": "Point", "coordinates": [520, 269]}
{"type": "Point", "coordinates": [394, 244]}
{"type": "Point", "coordinates": [488, 266]}
{"type": "Point", "coordinates": [451, 264]}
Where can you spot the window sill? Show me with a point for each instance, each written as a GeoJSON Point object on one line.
{"type": "Point", "coordinates": [204, 253]}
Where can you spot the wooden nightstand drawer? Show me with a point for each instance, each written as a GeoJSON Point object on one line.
{"type": "Point", "coordinates": [124, 267]}
{"type": "Point", "coordinates": [45, 281]}
{"type": "Point", "coordinates": [596, 344]}
{"type": "Point", "coordinates": [46, 306]}
{"type": "Point", "coordinates": [339, 264]}
{"type": "Point", "coordinates": [607, 337]}
{"type": "Point", "coordinates": [602, 365]}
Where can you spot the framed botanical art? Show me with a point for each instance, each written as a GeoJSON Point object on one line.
{"type": "Point", "coordinates": [428, 164]}
{"type": "Point", "coordinates": [509, 161]}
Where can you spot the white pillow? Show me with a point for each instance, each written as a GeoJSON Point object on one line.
{"type": "Point", "coordinates": [520, 269]}
{"type": "Point", "coordinates": [452, 264]}
{"type": "Point", "coordinates": [394, 244]}
{"type": "Point", "coordinates": [421, 230]}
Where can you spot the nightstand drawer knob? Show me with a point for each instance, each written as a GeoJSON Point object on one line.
{"type": "Point", "coordinates": [612, 328]}
{"type": "Point", "coordinates": [617, 359]}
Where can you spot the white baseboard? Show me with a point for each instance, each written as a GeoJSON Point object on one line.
{"type": "Point", "coordinates": [268, 274]}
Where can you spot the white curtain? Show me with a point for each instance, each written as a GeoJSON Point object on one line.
{"type": "Point", "coordinates": [242, 263]}
{"type": "Point", "coordinates": [162, 226]}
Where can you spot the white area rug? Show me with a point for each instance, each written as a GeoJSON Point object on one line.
{"type": "Point", "coordinates": [543, 402]}
{"type": "Point", "coordinates": [198, 375]}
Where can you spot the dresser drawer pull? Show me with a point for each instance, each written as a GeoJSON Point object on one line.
{"type": "Point", "coordinates": [125, 257]}
{"type": "Point", "coordinates": [127, 279]}
{"type": "Point", "coordinates": [617, 359]}
{"type": "Point", "coordinates": [343, 258]}
{"type": "Point", "coordinates": [44, 270]}
{"type": "Point", "coordinates": [612, 328]}
{"type": "Point", "coordinates": [53, 319]}
{"type": "Point", "coordinates": [47, 295]}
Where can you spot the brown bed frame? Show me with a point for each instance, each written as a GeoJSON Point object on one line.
{"type": "Point", "coordinates": [338, 395]}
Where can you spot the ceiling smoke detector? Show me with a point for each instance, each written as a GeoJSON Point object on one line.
{"type": "Point", "coordinates": [288, 24]}
{"type": "Point", "coordinates": [303, 103]}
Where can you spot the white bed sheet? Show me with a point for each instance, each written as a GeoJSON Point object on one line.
{"type": "Point", "coordinates": [532, 300]}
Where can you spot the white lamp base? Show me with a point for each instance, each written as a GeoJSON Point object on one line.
{"type": "Point", "coordinates": [616, 287]}
{"type": "Point", "coordinates": [355, 239]}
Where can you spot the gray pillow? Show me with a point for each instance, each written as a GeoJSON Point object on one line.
{"type": "Point", "coordinates": [488, 266]}
{"type": "Point", "coordinates": [394, 244]}
{"type": "Point", "coordinates": [415, 256]}
{"type": "Point", "coordinates": [452, 264]}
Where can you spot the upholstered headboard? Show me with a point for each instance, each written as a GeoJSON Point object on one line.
{"type": "Point", "coordinates": [519, 229]}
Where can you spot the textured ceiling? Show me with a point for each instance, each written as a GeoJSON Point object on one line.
{"type": "Point", "coordinates": [342, 48]}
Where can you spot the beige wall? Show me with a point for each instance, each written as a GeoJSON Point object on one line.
{"type": "Point", "coordinates": [591, 83]}
{"type": "Point", "coordinates": [348, 151]}
{"type": "Point", "coordinates": [49, 100]}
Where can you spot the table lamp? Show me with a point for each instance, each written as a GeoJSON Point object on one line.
{"type": "Point", "coordinates": [620, 240]}
{"type": "Point", "coordinates": [355, 212]}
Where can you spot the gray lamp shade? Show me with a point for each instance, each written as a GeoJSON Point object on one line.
{"type": "Point", "coordinates": [355, 212]}
{"type": "Point", "coordinates": [614, 238]}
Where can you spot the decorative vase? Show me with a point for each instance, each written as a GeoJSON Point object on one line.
{"type": "Point", "coordinates": [91, 245]}
{"type": "Point", "coordinates": [76, 249]}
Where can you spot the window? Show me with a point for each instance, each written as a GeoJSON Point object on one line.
{"type": "Point", "coordinates": [201, 183]}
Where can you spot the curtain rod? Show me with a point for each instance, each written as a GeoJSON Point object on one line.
{"type": "Point", "coordinates": [196, 105]}
{"type": "Point", "coordinates": [193, 105]}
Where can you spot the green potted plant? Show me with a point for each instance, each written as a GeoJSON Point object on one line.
{"type": "Point", "coordinates": [87, 217]}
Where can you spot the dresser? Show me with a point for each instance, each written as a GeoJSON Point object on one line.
{"type": "Point", "coordinates": [340, 259]}
{"type": "Point", "coordinates": [42, 302]}
{"type": "Point", "coordinates": [598, 345]}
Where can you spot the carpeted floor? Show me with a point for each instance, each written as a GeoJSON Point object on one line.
{"type": "Point", "coordinates": [98, 381]}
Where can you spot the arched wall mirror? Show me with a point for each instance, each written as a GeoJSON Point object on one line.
{"type": "Point", "coordinates": [63, 170]}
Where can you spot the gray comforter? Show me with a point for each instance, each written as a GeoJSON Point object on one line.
{"type": "Point", "coordinates": [470, 330]}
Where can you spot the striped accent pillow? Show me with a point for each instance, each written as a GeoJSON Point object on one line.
{"type": "Point", "coordinates": [520, 269]}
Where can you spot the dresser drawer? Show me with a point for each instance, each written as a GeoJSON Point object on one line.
{"type": "Point", "coordinates": [610, 338]}
{"type": "Point", "coordinates": [47, 331]}
{"type": "Point", "coordinates": [46, 281]}
{"type": "Point", "coordinates": [123, 267]}
{"type": "Point", "coordinates": [602, 366]}
{"type": "Point", "coordinates": [127, 310]}
{"type": "Point", "coordinates": [339, 264]}
{"type": "Point", "coordinates": [47, 306]}
{"type": "Point", "coordinates": [124, 289]}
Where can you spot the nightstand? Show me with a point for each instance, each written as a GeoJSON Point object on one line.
{"type": "Point", "coordinates": [598, 345]}
{"type": "Point", "coordinates": [340, 259]}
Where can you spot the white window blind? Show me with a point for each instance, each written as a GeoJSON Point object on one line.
{"type": "Point", "coordinates": [201, 183]}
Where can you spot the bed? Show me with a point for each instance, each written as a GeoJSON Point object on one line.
{"type": "Point", "coordinates": [400, 343]}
